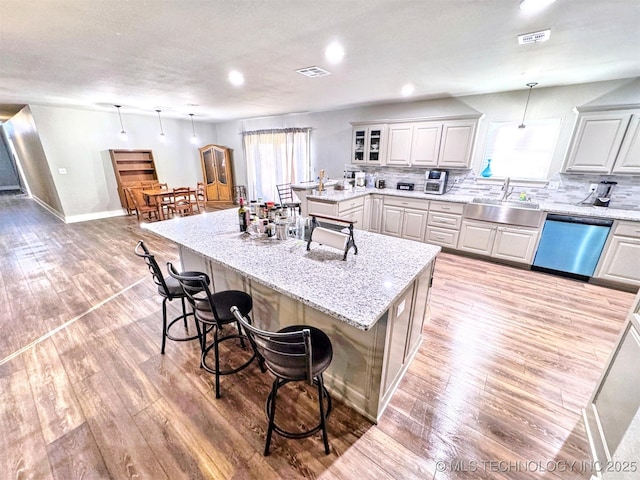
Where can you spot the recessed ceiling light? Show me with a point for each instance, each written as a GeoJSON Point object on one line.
{"type": "Point", "coordinates": [534, 5]}
{"type": "Point", "coordinates": [236, 78]}
{"type": "Point", "coordinates": [334, 53]}
{"type": "Point", "coordinates": [407, 90]}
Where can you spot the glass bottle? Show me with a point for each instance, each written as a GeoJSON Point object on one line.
{"type": "Point", "coordinates": [243, 216]}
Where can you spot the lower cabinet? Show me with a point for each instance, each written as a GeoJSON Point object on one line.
{"type": "Point", "coordinates": [612, 415]}
{"type": "Point", "coordinates": [443, 223]}
{"type": "Point", "coordinates": [405, 218]}
{"type": "Point", "coordinates": [620, 261]}
{"type": "Point", "coordinates": [375, 215]}
{"type": "Point", "coordinates": [516, 244]}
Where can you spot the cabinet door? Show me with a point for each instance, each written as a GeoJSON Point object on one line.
{"type": "Point", "coordinates": [375, 145]}
{"type": "Point", "coordinates": [209, 172]}
{"type": "Point", "coordinates": [397, 331]}
{"type": "Point", "coordinates": [425, 144]}
{"type": "Point", "coordinates": [456, 144]}
{"type": "Point", "coordinates": [392, 221]}
{"type": "Point", "coordinates": [375, 220]}
{"type": "Point", "coordinates": [223, 174]}
{"type": "Point", "coordinates": [516, 244]}
{"type": "Point", "coordinates": [414, 224]}
{"type": "Point", "coordinates": [399, 149]}
{"type": "Point", "coordinates": [476, 237]}
{"type": "Point", "coordinates": [628, 160]}
{"type": "Point", "coordinates": [596, 142]}
{"type": "Point", "coordinates": [618, 398]}
{"type": "Point", "coordinates": [355, 215]}
{"type": "Point", "coordinates": [621, 261]}
{"type": "Point", "coordinates": [359, 141]}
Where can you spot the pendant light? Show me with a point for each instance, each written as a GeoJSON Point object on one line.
{"type": "Point", "coordinates": [194, 138]}
{"type": "Point", "coordinates": [162, 137]}
{"type": "Point", "coordinates": [123, 134]}
{"type": "Point", "coordinates": [530, 85]}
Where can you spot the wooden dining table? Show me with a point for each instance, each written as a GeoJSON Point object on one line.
{"type": "Point", "coordinates": [154, 197]}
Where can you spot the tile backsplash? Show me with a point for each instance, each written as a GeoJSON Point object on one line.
{"type": "Point", "coordinates": [572, 188]}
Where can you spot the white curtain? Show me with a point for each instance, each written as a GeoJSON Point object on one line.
{"type": "Point", "coordinates": [275, 157]}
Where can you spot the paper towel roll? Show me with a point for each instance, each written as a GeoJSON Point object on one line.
{"type": "Point", "coordinates": [330, 238]}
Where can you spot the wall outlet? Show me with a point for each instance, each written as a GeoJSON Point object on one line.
{"type": "Point", "coordinates": [62, 171]}
{"type": "Point", "coordinates": [592, 187]}
{"type": "Point", "coordinates": [553, 185]}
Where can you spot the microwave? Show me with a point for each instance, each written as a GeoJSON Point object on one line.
{"type": "Point", "coordinates": [435, 181]}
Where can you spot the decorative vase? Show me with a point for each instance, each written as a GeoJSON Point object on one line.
{"type": "Point", "coordinates": [487, 170]}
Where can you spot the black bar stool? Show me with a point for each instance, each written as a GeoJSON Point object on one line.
{"type": "Point", "coordinates": [293, 354]}
{"type": "Point", "coordinates": [213, 310]}
{"type": "Point", "coordinates": [168, 288]}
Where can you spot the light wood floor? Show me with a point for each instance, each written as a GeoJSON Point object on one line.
{"type": "Point", "coordinates": [508, 360]}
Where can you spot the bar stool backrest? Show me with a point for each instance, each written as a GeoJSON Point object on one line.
{"type": "Point", "coordinates": [287, 355]}
{"type": "Point", "coordinates": [196, 288]}
{"type": "Point", "coordinates": [158, 278]}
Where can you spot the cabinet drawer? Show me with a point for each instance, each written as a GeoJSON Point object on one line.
{"type": "Point", "coordinates": [444, 220]}
{"type": "Point", "coordinates": [351, 203]}
{"type": "Point", "coordinates": [322, 208]}
{"type": "Point", "coordinates": [446, 207]}
{"type": "Point", "coordinates": [628, 229]}
{"type": "Point", "coordinates": [402, 202]}
{"type": "Point", "coordinates": [442, 237]}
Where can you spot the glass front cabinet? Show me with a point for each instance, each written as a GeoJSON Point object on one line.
{"type": "Point", "coordinates": [216, 171]}
{"type": "Point", "coordinates": [369, 144]}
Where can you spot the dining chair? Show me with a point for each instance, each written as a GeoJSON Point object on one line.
{"type": "Point", "coordinates": [213, 311]}
{"type": "Point", "coordinates": [181, 202]}
{"type": "Point", "coordinates": [297, 353]}
{"type": "Point", "coordinates": [200, 197]}
{"type": "Point", "coordinates": [287, 199]}
{"type": "Point", "coordinates": [142, 209]}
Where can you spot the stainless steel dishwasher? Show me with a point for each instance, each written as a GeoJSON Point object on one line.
{"type": "Point", "coordinates": [571, 245]}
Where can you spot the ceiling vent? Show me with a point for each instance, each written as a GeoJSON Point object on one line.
{"type": "Point", "coordinates": [313, 72]}
{"type": "Point", "coordinates": [535, 37]}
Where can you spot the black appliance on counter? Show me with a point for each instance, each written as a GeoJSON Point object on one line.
{"type": "Point", "coordinates": [603, 193]}
{"type": "Point", "coordinates": [435, 181]}
{"type": "Point", "coordinates": [405, 186]}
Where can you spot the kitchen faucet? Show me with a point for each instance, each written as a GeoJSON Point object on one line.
{"type": "Point", "coordinates": [505, 188]}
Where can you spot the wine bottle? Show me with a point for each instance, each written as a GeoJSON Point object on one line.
{"type": "Point", "coordinates": [243, 216]}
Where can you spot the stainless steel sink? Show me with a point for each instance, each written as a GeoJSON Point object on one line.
{"type": "Point", "coordinates": [524, 214]}
{"type": "Point", "coordinates": [507, 203]}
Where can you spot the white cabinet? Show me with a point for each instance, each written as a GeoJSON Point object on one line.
{"type": "Point", "coordinates": [620, 261]}
{"type": "Point", "coordinates": [443, 223]}
{"type": "Point", "coordinates": [404, 217]}
{"type": "Point", "coordinates": [414, 144]}
{"type": "Point", "coordinates": [477, 237]}
{"type": "Point", "coordinates": [612, 415]}
{"type": "Point", "coordinates": [605, 142]}
{"type": "Point", "coordinates": [329, 209]}
{"type": "Point", "coordinates": [628, 160]}
{"type": "Point", "coordinates": [353, 210]}
{"type": "Point", "coordinates": [517, 244]}
{"type": "Point", "coordinates": [507, 242]}
{"type": "Point", "coordinates": [375, 216]}
{"type": "Point", "coordinates": [369, 144]}
{"type": "Point", "coordinates": [457, 143]}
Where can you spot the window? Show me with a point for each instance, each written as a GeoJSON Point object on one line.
{"type": "Point", "coordinates": [523, 153]}
{"type": "Point", "coordinates": [275, 157]}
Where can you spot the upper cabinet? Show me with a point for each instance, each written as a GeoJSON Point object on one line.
{"type": "Point", "coordinates": [369, 143]}
{"type": "Point", "coordinates": [605, 142]}
{"type": "Point", "coordinates": [442, 143]}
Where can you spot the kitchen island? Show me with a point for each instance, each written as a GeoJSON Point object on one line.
{"type": "Point", "coordinates": [372, 306]}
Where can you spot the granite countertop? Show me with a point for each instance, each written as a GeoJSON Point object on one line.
{"type": "Point", "coordinates": [561, 208]}
{"type": "Point", "coordinates": [357, 291]}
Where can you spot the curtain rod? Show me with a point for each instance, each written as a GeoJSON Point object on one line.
{"type": "Point", "coordinates": [276, 130]}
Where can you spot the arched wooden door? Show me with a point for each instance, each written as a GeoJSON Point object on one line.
{"type": "Point", "coordinates": [216, 170]}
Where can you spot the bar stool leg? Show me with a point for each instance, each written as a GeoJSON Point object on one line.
{"type": "Point", "coordinates": [164, 325]}
{"type": "Point", "coordinates": [322, 415]}
{"type": "Point", "coordinates": [271, 413]}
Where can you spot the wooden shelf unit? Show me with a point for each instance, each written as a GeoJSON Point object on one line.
{"type": "Point", "coordinates": [133, 168]}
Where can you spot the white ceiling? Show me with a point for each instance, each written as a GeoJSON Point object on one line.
{"type": "Point", "coordinates": [149, 54]}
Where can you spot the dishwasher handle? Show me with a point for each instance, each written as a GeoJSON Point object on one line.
{"type": "Point", "coordinates": [602, 222]}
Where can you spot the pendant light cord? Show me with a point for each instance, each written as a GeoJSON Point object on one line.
{"type": "Point", "coordinates": [160, 120]}
{"type": "Point", "coordinates": [530, 85]}
{"type": "Point", "coordinates": [120, 117]}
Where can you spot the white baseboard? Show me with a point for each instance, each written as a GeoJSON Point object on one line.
{"type": "Point", "coordinates": [48, 208]}
{"type": "Point", "coordinates": [94, 216]}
